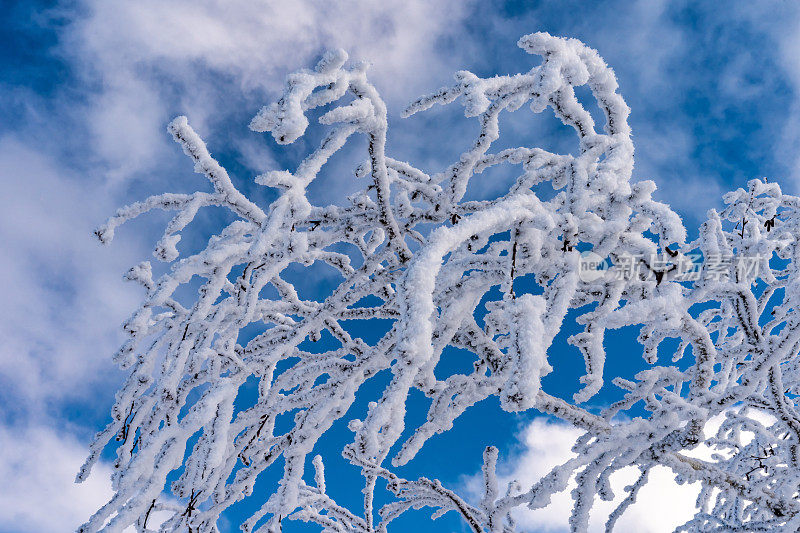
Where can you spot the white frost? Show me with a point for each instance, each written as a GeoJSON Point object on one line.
{"type": "Point", "coordinates": [738, 332]}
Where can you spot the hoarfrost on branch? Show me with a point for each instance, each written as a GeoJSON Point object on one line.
{"type": "Point", "coordinates": [739, 333]}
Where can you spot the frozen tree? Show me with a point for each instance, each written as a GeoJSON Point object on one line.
{"type": "Point", "coordinates": [424, 258]}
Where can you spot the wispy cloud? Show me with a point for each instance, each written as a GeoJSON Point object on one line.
{"type": "Point", "coordinates": [64, 297]}
{"type": "Point", "coordinates": [37, 466]}
{"type": "Point", "coordinates": [151, 60]}
{"type": "Point", "coordinates": [661, 505]}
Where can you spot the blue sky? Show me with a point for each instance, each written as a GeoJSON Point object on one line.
{"type": "Point", "coordinates": [89, 86]}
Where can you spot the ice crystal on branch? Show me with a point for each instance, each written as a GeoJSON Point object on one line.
{"type": "Point", "coordinates": [738, 332]}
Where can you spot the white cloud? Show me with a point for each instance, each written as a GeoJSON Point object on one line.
{"type": "Point", "coordinates": [154, 59]}
{"type": "Point", "coordinates": [63, 294]}
{"type": "Point", "coordinates": [661, 505]}
{"type": "Point", "coordinates": [788, 139]}
{"type": "Point", "coordinates": [38, 467]}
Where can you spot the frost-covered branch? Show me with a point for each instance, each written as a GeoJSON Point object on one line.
{"type": "Point", "coordinates": [177, 416]}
